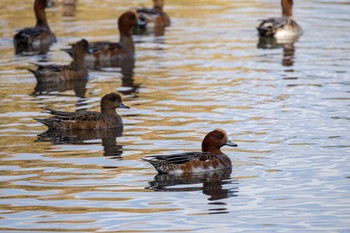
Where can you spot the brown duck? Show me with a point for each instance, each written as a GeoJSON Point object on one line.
{"type": "Point", "coordinates": [108, 118]}
{"type": "Point", "coordinates": [77, 70]}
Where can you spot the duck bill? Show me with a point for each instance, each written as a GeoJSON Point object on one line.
{"type": "Point", "coordinates": [229, 143]}
{"type": "Point", "coordinates": [123, 106]}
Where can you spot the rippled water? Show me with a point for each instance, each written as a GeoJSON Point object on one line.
{"type": "Point", "coordinates": [287, 108]}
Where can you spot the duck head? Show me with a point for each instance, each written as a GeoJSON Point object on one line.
{"type": "Point", "coordinates": [112, 101]}
{"type": "Point", "coordinates": [214, 140]}
{"type": "Point", "coordinates": [126, 22]}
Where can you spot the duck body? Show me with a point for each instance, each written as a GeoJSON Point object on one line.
{"type": "Point", "coordinates": [155, 16]}
{"type": "Point", "coordinates": [281, 27]}
{"type": "Point", "coordinates": [82, 120]}
{"type": "Point", "coordinates": [210, 159]}
{"type": "Point", "coordinates": [38, 37]}
{"type": "Point", "coordinates": [87, 120]}
{"type": "Point", "coordinates": [191, 162]}
{"type": "Point", "coordinates": [76, 71]}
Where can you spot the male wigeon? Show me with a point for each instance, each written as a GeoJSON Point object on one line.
{"type": "Point", "coordinates": [210, 159]}
{"type": "Point", "coordinates": [154, 15]}
{"type": "Point", "coordinates": [108, 118]}
{"type": "Point", "coordinates": [35, 37]}
{"type": "Point", "coordinates": [283, 27]}
{"type": "Point", "coordinates": [105, 51]}
{"type": "Point", "coordinates": [77, 70]}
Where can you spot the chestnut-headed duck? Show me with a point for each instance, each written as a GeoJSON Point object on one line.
{"type": "Point", "coordinates": [154, 15]}
{"type": "Point", "coordinates": [108, 118]}
{"type": "Point", "coordinates": [32, 38]}
{"type": "Point", "coordinates": [105, 51]}
{"type": "Point", "coordinates": [283, 27]}
{"type": "Point", "coordinates": [210, 159]}
{"type": "Point", "coordinates": [77, 70]}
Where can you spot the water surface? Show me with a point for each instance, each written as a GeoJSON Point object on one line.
{"type": "Point", "coordinates": [286, 106]}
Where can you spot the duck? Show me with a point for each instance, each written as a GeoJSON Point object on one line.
{"type": "Point", "coordinates": [34, 37]}
{"type": "Point", "coordinates": [210, 159]}
{"type": "Point", "coordinates": [106, 51]}
{"type": "Point", "coordinates": [283, 27]}
{"type": "Point", "coordinates": [76, 71]}
{"type": "Point", "coordinates": [107, 118]}
{"type": "Point", "coordinates": [155, 15]}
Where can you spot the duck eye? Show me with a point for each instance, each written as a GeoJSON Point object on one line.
{"type": "Point", "coordinates": [113, 98]}
{"type": "Point", "coordinates": [219, 137]}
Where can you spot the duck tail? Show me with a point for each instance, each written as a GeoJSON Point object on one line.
{"type": "Point", "coordinates": [158, 165]}
{"type": "Point", "coordinates": [43, 121]}
{"type": "Point", "coordinates": [35, 74]}
{"type": "Point", "coordinates": [69, 51]}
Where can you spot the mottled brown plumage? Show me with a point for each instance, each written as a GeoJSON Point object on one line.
{"type": "Point", "coordinates": [88, 120]}
{"type": "Point", "coordinates": [211, 158]}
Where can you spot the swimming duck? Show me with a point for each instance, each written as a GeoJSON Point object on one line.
{"type": "Point", "coordinates": [108, 118]}
{"type": "Point", "coordinates": [210, 159]}
{"type": "Point", "coordinates": [155, 15]}
{"type": "Point", "coordinates": [105, 51]}
{"type": "Point", "coordinates": [283, 27]}
{"type": "Point", "coordinates": [60, 73]}
{"type": "Point", "coordinates": [35, 37]}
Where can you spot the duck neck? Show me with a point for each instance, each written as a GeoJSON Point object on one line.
{"type": "Point", "coordinates": [127, 43]}
{"type": "Point", "coordinates": [108, 111]}
{"type": "Point", "coordinates": [79, 61]}
{"type": "Point", "coordinates": [158, 8]}
{"type": "Point", "coordinates": [158, 5]}
{"type": "Point", "coordinates": [40, 15]}
{"type": "Point", "coordinates": [207, 148]}
{"type": "Point", "coordinates": [287, 8]}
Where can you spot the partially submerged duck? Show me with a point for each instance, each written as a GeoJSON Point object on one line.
{"type": "Point", "coordinates": [39, 37]}
{"type": "Point", "coordinates": [283, 27]}
{"type": "Point", "coordinates": [210, 159]}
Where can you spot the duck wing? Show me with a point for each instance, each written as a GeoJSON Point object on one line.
{"type": "Point", "coordinates": [76, 116]}
{"type": "Point", "coordinates": [268, 27]}
{"type": "Point", "coordinates": [149, 11]}
{"type": "Point", "coordinates": [104, 45]}
{"type": "Point", "coordinates": [30, 32]}
{"type": "Point", "coordinates": [181, 158]}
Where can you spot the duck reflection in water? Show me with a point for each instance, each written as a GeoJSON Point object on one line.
{"type": "Point", "coordinates": [213, 183]}
{"type": "Point", "coordinates": [128, 82]}
{"type": "Point", "coordinates": [287, 45]}
{"type": "Point", "coordinates": [79, 88]}
{"type": "Point", "coordinates": [83, 137]}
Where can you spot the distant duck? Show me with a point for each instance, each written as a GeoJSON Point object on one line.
{"type": "Point", "coordinates": [283, 27]}
{"type": "Point", "coordinates": [108, 118]}
{"type": "Point", "coordinates": [154, 15]}
{"type": "Point", "coordinates": [106, 51]}
{"type": "Point", "coordinates": [33, 38]}
{"type": "Point", "coordinates": [210, 159]}
{"type": "Point", "coordinates": [77, 70]}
